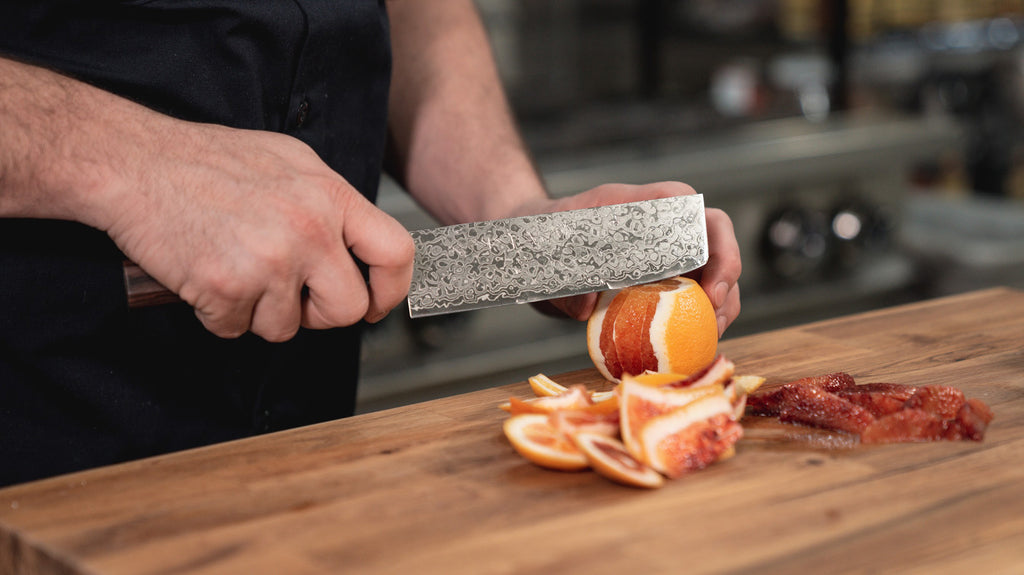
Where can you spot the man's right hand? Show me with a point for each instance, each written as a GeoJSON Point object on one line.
{"type": "Point", "coordinates": [258, 234]}
{"type": "Point", "coordinates": [251, 228]}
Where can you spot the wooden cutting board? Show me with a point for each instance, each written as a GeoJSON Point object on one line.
{"type": "Point", "coordinates": [435, 488]}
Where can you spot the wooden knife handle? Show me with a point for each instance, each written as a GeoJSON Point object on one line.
{"type": "Point", "coordinates": [143, 290]}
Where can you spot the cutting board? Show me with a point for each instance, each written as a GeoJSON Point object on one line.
{"type": "Point", "coordinates": [435, 488]}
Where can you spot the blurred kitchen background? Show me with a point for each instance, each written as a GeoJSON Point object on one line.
{"type": "Point", "coordinates": [869, 152]}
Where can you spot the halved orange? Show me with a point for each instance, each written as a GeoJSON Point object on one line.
{"type": "Point", "coordinates": [533, 437]}
{"type": "Point", "coordinates": [608, 456]}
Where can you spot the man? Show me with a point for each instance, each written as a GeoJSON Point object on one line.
{"type": "Point", "coordinates": [233, 151]}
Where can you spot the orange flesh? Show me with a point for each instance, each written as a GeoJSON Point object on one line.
{"type": "Point", "coordinates": [628, 324]}
{"type": "Point", "coordinates": [640, 410]}
{"type": "Point", "coordinates": [546, 436]}
{"type": "Point", "coordinates": [699, 445]}
{"type": "Point", "coordinates": [607, 343]}
{"type": "Point", "coordinates": [626, 330]}
{"type": "Point", "coordinates": [699, 350]}
{"type": "Point", "coordinates": [623, 458]}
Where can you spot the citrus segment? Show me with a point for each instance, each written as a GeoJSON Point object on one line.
{"type": "Point", "coordinates": [687, 339]}
{"type": "Point", "coordinates": [689, 438]}
{"type": "Point", "coordinates": [533, 437]}
{"type": "Point", "coordinates": [631, 331]}
{"type": "Point", "coordinates": [665, 326]}
{"type": "Point", "coordinates": [609, 457]}
{"type": "Point", "coordinates": [639, 403]}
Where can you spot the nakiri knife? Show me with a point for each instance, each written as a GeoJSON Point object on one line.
{"type": "Point", "coordinates": [533, 258]}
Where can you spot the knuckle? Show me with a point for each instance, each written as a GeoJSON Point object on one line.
{"type": "Point", "coordinates": [278, 334]}
{"type": "Point", "coordinates": [228, 287]}
{"type": "Point", "coordinates": [221, 326]}
{"type": "Point", "coordinates": [352, 309]}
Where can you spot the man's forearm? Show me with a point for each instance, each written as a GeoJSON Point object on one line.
{"type": "Point", "coordinates": [58, 156]}
{"type": "Point", "coordinates": [457, 146]}
{"type": "Point", "coordinates": [37, 110]}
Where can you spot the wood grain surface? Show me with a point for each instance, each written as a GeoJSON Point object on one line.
{"type": "Point", "coordinates": [435, 488]}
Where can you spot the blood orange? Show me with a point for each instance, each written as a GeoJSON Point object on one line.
{"type": "Point", "coordinates": [639, 403]}
{"type": "Point", "coordinates": [608, 456]}
{"type": "Point", "coordinates": [691, 437]}
{"type": "Point", "coordinates": [665, 326]}
{"type": "Point", "coordinates": [533, 436]}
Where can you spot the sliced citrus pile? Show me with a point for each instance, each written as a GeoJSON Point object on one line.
{"type": "Point", "coordinates": [652, 426]}
{"type": "Point", "coordinates": [667, 326]}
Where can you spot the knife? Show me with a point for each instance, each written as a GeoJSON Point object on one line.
{"type": "Point", "coordinates": [533, 258]}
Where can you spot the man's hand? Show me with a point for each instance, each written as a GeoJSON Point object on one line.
{"type": "Point", "coordinates": [249, 227]}
{"type": "Point", "coordinates": [258, 234]}
{"type": "Point", "coordinates": [458, 152]}
{"type": "Point", "coordinates": [718, 277]}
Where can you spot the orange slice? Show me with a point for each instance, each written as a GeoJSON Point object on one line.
{"type": "Point", "coordinates": [737, 390]}
{"type": "Point", "coordinates": [575, 397]}
{"type": "Point", "coordinates": [544, 386]}
{"type": "Point", "coordinates": [746, 384]}
{"type": "Point", "coordinates": [533, 437]}
{"type": "Point", "coordinates": [608, 457]}
{"type": "Point", "coordinates": [573, 421]}
{"type": "Point", "coordinates": [638, 403]}
{"type": "Point", "coordinates": [691, 437]}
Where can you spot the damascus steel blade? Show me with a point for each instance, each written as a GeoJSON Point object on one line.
{"type": "Point", "coordinates": [533, 258]}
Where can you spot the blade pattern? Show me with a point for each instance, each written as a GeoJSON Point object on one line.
{"type": "Point", "coordinates": [532, 258]}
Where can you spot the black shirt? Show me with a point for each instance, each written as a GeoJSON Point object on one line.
{"type": "Point", "coordinates": [84, 381]}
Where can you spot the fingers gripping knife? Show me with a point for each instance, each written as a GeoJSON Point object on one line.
{"type": "Point", "coordinates": [533, 258]}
